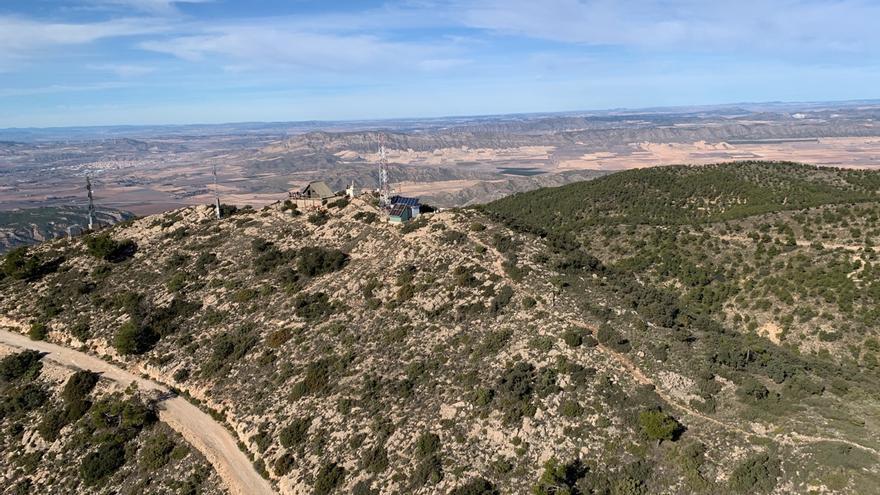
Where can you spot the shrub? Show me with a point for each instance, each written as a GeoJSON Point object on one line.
{"type": "Point", "coordinates": [295, 433]}
{"type": "Point", "coordinates": [18, 265]}
{"type": "Point", "coordinates": [228, 348]}
{"type": "Point", "coordinates": [52, 423]}
{"type": "Point", "coordinates": [558, 478]}
{"type": "Point", "coordinates": [105, 247]}
{"type": "Point", "coordinates": [571, 409]}
{"type": "Point", "coordinates": [515, 389]}
{"type": "Point", "coordinates": [475, 486]}
{"type": "Point", "coordinates": [157, 451]}
{"type": "Point", "coordinates": [756, 474]}
{"type": "Point", "coordinates": [329, 477]}
{"type": "Point", "coordinates": [428, 472]}
{"type": "Point", "coordinates": [25, 364]}
{"type": "Point", "coordinates": [81, 331]}
{"type": "Point", "coordinates": [313, 261]}
{"type": "Point", "coordinates": [135, 339]}
{"type": "Point", "coordinates": [427, 444]}
{"type": "Point", "coordinates": [319, 218]}
{"type": "Point", "coordinates": [79, 386]}
{"type": "Point", "coordinates": [100, 464]}
{"type": "Point", "coordinates": [367, 217]}
{"type": "Point", "coordinates": [376, 459]}
{"type": "Point", "coordinates": [38, 331]}
{"type": "Point", "coordinates": [181, 375]}
{"type": "Point", "coordinates": [573, 337]}
{"type": "Point", "coordinates": [313, 306]}
{"type": "Point", "coordinates": [283, 464]}
{"type": "Point", "coordinates": [658, 425]}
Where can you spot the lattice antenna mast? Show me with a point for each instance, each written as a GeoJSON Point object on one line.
{"type": "Point", "coordinates": [216, 192]}
{"type": "Point", "coordinates": [384, 187]}
{"type": "Point", "coordinates": [91, 203]}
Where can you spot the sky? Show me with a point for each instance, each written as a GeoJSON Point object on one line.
{"type": "Point", "coordinates": [108, 62]}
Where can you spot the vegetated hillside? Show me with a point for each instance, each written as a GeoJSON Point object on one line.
{"type": "Point", "coordinates": [452, 355]}
{"type": "Point", "coordinates": [687, 194]}
{"type": "Point", "coordinates": [71, 432]}
{"type": "Point", "coordinates": [33, 225]}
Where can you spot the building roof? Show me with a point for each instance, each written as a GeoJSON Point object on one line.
{"type": "Point", "coordinates": [318, 189]}
{"type": "Point", "coordinates": [403, 200]}
{"type": "Point", "coordinates": [398, 210]}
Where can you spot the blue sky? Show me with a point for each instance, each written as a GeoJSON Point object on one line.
{"type": "Point", "coordinates": [101, 62]}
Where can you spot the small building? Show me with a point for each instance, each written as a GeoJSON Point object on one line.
{"type": "Point", "coordinates": [412, 204]}
{"type": "Point", "coordinates": [317, 190]}
{"type": "Point", "coordinates": [399, 214]}
{"type": "Point", "coordinates": [314, 195]}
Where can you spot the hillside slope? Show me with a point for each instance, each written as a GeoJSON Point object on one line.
{"type": "Point", "coordinates": [459, 354]}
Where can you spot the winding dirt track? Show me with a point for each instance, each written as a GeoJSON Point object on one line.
{"type": "Point", "coordinates": [208, 436]}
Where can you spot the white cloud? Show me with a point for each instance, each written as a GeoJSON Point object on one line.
{"type": "Point", "coordinates": [276, 46]}
{"type": "Point", "coordinates": [20, 36]}
{"type": "Point", "coordinates": [124, 70]}
{"type": "Point", "coordinates": [60, 88]}
{"type": "Point", "coordinates": [159, 7]}
{"type": "Point", "coordinates": [842, 25]}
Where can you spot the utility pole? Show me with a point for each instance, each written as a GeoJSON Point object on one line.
{"type": "Point", "coordinates": [91, 204]}
{"type": "Point", "coordinates": [384, 187]}
{"type": "Point", "coordinates": [216, 192]}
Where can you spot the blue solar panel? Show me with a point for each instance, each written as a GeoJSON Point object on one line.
{"type": "Point", "coordinates": [402, 200]}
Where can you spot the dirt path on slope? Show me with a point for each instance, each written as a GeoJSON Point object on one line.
{"type": "Point", "coordinates": [208, 436]}
{"type": "Point", "coordinates": [636, 373]}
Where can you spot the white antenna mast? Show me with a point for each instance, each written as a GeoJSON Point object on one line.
{"type": "Point", "coordinates": [216, 192]}
{"type": "Point", "coordinates": [91, 204]}
{"type": "Point", "coordinates": [384, 187]}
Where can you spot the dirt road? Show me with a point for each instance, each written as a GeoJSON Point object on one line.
{"type": "Point", "coordinates": [205, 434]}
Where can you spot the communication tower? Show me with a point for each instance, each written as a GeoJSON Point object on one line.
{"type": "Point", "coordinates": [384, 186]}
{"type": "Point", "coordinates": [216, 192]}
{"type": "Point", "coordinates": [91, 203]}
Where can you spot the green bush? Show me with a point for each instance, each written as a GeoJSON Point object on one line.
{"type": "Point", "coordinates": [427, 444]}
{"type": "Point", "coordinates": [756, 474]}
{"type": "Point", "coordinates": [658, 425]}
{"type": "Point", "coordinates": [52, 423]}
{"type": "Point", "coordinates": [573, 337]}
{"type": "Point", "coordinates": [24, 364]}
{"type": "Point", "coordinates": [313, 261]}
{"type": "Point", "coordinates": [571, 409]}
{"type": "Point", "coordinates": [98, 465]}
{"type": "Point", "coordinates": [283, 464]}
{"type": "Point", "coordinates": [79, 386]}
{"type": "Point", "coordinates": [156, 451]}
{"type": "Point", "coordinates": [19, 265]}
{"type": "Point", "coordinates": [296, 433]}
{"type": "Point", "coordinates": [559, 479]}
{"type": "Point", "coordinates": [475, 486]}
{"type": "Point", "coordinates": [105, 247]}
{"type": "Point", "coordinates": [38, 331]}
{"type": "Point", "coordinates": [329, 478]}
{"type": "Point", "coordinates": [313, 307]}
{"type": "Point", "coordinates": [81, 331]}
{"type": "Point", "coordinates": [375, 460]}
{"type": "Point", "coordinates": [135, 339]}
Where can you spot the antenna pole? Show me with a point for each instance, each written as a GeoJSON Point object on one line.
{"type": "Point", "coordinates": [91, 203]}
{"type": "Point", "coordinates": [384, 188]}
{"type": "Point", "coordinates": [216, 192]}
